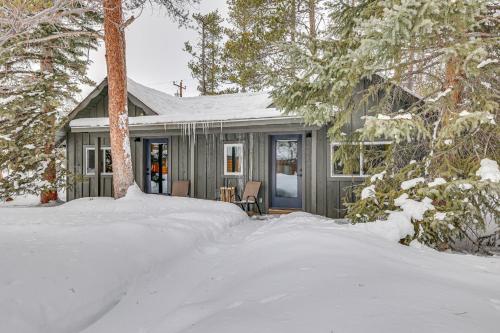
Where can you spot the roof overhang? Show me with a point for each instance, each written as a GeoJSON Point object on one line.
{"type": "Point", "coordinates": [172, 126]}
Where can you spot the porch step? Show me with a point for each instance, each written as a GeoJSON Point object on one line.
{"type": "Point", "coordinates": [281, 211]}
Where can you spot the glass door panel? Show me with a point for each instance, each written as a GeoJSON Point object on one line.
{"type": "Point", "coordinates": [158, 168]}
{"type": "Point", "coordinates": [286, 171]}
{"type": "Point", "coordinates": [286, 168]}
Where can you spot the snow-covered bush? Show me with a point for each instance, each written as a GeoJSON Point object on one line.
{"type": "Point", "coordinates": [458, 209]}
{"type": "Point", "coordinates": [425, 73]}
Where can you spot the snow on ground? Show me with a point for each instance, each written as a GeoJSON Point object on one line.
{"type": "Point", "coordinates": [21, 201]}
{"type": "Point", "coordinates": [31, 200]}
{"type": "Point", "coordinates": [160, 264]}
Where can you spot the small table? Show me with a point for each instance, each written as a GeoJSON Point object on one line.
{"type": "Point", "coordinates": [227, 194]}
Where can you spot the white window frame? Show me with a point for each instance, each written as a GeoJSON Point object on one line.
{"type": "Point", "coordinates": [240, 173]}
{"type": "Point", "coordinates": [87, 149]}
{"type": "Point", "coordinates": [361, 161]}
{"type": "Point", "coordinates": [103, 149]}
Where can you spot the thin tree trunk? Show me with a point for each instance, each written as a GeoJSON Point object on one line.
{"type": "Point", "coordinates": [453, 82]}
{"type": "Point", "coordinates": [411, 59]}
{"type": "Point", "coordinates": [114, 40]}
{"type": "Point", "coordinates": [312, 25]}
{"type": "Point", "coordinates": [293, 21]}
{"type": "Point", "coordinates": [212, 70]}
{"type": "Point", "coordinates": [49, 174]}
{"type": "Point", "coordinates": [203, 58]}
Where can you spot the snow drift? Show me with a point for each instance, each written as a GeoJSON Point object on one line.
{"type": "Point", "coordinates": [158, 264]}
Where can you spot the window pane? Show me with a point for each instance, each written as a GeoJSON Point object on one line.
{"type": "Point", "coordinates": [108, 162]}
{"type": "Point", "coordinates": [90, 165]}
{"type": "Point", "coordinates": [286, 168]}
{"type": "Point", "coordinates": [339, 168]}
{"type": "Point", "coordinates": [373, 156]}
{"type": "Point", "coordinates": [233, 158]}
{"type": "Point", "coordinates": [159, 168]}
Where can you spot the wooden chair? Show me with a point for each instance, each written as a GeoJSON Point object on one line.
{"type": "Point", "coordinates": [249, 197]}
{"type": "Point", "coordinates": [180, 188]}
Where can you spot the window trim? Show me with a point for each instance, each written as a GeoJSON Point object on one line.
{"type": "Point", "coordinates": [85, 164]}
{"type": "Point", "coordinates": [234, 144]}
{"type": "Point", "coordinates": [361, 160]}
{"type": "Point", "coordinates": [103, 149]}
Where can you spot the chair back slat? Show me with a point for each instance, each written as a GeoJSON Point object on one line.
{"type": "Point", "coordinates": [251, 190]}
{"type": "Point", "coordinates": [180, 188]}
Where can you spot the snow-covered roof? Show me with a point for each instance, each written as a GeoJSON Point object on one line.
{"type": "Point", "coordinates": [175, 110]}
{"type": "Point", "coordinates": [205, 108]}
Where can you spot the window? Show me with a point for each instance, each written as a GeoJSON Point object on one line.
{"type": "Point", "coordinates": [89, 161]}
{"type": "Point", "coordinates": [233, 159]}
{"type": "Point", "coordinates": [106, 162]}
{"type": "Point", "coordinates": [373, 155]}
{"type": "Point", "coordinates": [368, 155]}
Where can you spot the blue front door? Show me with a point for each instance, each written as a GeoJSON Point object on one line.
{"type": "Point", "coordinates": [286, 171]}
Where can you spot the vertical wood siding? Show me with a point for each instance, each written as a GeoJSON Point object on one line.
{"type": "Point", "coordinates": [204, 166]}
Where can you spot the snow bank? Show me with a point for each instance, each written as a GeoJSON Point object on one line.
{"type": "Point", "coordinates": [65, 267]}
{"type": "Point", "coordinates": [22, 200]}
{"type": "Point", "coordinates": [155, 264]}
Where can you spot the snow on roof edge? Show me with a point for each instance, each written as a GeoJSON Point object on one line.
{"type": "Point", "coordinates": [163, 120]}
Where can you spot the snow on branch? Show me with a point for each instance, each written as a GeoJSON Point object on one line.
{"type": "Point", "coordinates": [17, 20]}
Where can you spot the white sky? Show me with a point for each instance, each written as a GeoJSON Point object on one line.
{"type": "Point", "coordinates": [154, 50]}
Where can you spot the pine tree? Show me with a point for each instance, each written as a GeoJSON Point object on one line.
{"type": "Point", "coordinates": [448, 52]}
{"type": "Point", "coordinates": [242, 49]}
{"type": "Point", "coordinates": [257, 51]}
{"type": "Point", "coordinates": [40, 73]}
{"type": "Point", "coordinates": [206, 65]}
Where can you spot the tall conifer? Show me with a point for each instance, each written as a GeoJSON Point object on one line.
{"type": "Point", "coordinates": [206, 64]}
{"type": "Point", "coordinates": [447, 51]}
{"type": "Point", "coordinates": [40, 72]}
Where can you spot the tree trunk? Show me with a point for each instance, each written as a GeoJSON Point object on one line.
{"type": "Point", "coordinates": [203, 58]}
{"type": "Point", "coordinates": [293, 21]}
{"type": "Point", "coordinates": [312, 25]}
{"type": "Point", "coordinates": [114, 40]}
{"type": "Point", "coordinates": [411, 58]}
{"type": "Point", "coordinates": [213, 67]}
{"type": "Point", "coordinates": [50, 173]}
{"type": "Point", "coordinates": [452, 81]}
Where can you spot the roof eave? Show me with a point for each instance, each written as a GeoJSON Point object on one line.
{"type": "Point", "coordinates": [178, 125]}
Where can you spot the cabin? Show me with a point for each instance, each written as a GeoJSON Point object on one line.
{"type": "Point", "coordinates": [213, 142]}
